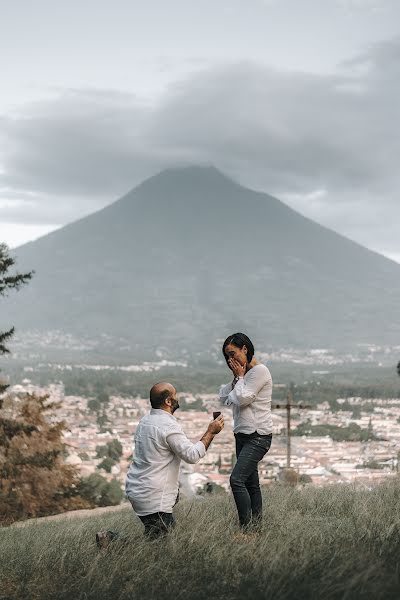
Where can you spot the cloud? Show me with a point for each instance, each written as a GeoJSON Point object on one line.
{"type": "Point", "coordinates": [370, 5]}
{"type": "Point", "coordinates": [326, 144]}
{"type": "Point", "coordinates": [16, 234]}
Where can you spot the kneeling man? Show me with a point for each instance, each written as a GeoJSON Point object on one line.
{"type": "Point", "coordinates": [152, 482]}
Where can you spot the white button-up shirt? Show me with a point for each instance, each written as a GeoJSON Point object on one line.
{"type": "Point", "coordinates": [152, 482]}
{"type": "Point", "coordinates": [251, 401]}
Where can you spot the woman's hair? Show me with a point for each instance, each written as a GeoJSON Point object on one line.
{"type": "Point", "coordinates": [239, 340]}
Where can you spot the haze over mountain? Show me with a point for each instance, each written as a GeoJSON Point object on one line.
{"type": "Point", "coordinates": [189, 256]}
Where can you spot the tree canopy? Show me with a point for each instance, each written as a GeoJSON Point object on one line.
{"type": "Point", "coordinates": [34, 479]}
{"type": "Point", "coordinates": [9, 281]}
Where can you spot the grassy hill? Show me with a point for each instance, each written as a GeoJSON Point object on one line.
{"type": "Point", "coordinates": [331, 543]}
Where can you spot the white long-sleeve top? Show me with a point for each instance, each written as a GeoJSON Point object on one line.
{"type": "Point", "coordinates": [251, 401]}
{"type": "Point", "coordinates": [152, 480]}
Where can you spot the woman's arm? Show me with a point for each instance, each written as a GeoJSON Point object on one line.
{"type": "Point", "coordinates": [246, 391]}
{"type": "Point", "coordinates": [224, 391]}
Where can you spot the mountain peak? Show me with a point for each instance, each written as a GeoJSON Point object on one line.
{"type": "Point", "coordinates": [195, 176]}
{"type": "Point", "coordinates": [189, 255]}
{"type": "Point", "coordinates": [200, 170]}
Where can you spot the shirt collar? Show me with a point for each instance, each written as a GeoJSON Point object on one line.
{"type": "Point", "coordinates": [160, 411]}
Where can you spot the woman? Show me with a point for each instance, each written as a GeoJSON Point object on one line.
{"type": "Point", "coordinates": [249, 394]}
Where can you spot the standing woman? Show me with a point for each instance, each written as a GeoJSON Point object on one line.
{"type": "Point", "coordinates": [249, 394]}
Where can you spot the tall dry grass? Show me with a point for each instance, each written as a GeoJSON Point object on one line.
{"type": "Point", "coordinates": [330, 543]}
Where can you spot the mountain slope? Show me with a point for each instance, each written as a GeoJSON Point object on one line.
{"type": "Point", "coordinates": [189, 256]}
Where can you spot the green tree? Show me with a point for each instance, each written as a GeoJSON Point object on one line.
{"type": "Point", "coordinates": [96, 490]}
{"type": "Point", "coordinates": [8, 281]}
{"type": "Point", "coordinates": [304, 478]}
{"type": "Point", "coordinates": [106, 464]}
{"type": "Point", "coordinates": [371, 464]}
{"type": "Point", "coordinates": [103, 397]}
{"type": "Point", "coordinates": [99, 402]}
{"type": "Point", "coordinates": [115, 450]}
{"type": "Point", "coordinates": [112, 449]}
{"type": "Point", "coordinates": [101, 451]}
{"type": "Point", "coordinates": [102, 421]}
{"type": "Point", "coordinates": [94, 405]}
{"type": "Point", "coordinates": [113, 494]}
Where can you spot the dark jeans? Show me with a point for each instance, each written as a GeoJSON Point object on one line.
{"type": "Point", "coordinates": [250, 449]}
{"type": "Point", "coordinates": [157, 524]}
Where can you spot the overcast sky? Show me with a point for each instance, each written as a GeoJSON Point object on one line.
{"type": "Point", "coordinates": [298, 98]}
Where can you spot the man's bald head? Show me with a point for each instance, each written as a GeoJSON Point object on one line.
{"type": "Point", "coordinates": [160, 392]}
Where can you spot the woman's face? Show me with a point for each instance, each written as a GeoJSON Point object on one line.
{"type": "Point", "coordinates": [239, 354]}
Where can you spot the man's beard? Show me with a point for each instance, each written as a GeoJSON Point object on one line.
{"type": "Point", "coordinates": [174, 405]}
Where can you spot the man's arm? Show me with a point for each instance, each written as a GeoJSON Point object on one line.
{"type": "Point", "coordinates": [214, 427]}
{"type": "Point", "coordinates": [192, 453]}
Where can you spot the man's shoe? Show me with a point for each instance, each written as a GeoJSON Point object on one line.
{"type": "Point", "coordinates": [104, 538]}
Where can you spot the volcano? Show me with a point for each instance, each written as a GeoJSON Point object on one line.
{"type": "Point", "coordinates": [190, 256]}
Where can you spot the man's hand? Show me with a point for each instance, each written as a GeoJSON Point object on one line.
{"type": "Point", "coordinates": [214, 427]}
{"type": "Point", "coordinates": [217, 425]}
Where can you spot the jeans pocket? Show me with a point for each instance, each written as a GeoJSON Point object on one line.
{"type": "Point", "coordinates": [263, 442]}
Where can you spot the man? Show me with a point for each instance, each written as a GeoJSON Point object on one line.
{"type": "Point", "coordinates": [152, 482]}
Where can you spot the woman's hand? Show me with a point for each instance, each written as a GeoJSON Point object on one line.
{"type": "Point", "coordinates": [237, 369]}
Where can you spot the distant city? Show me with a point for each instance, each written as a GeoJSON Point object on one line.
{"type": "Point", "coordinates": [42, 346]}
{"type": "Point", "coordinates": [316, 459]}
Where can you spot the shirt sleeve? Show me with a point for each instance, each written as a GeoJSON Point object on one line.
{"type": "Point", "coordinates": [224, 392]}
{"type": "Point", "coordinates": [245, 392]}
{"type": "Point", "coordinates": [184, 448]}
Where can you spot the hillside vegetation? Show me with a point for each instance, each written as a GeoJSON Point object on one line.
{"type": "Point", "coordinates": [331, 543]}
